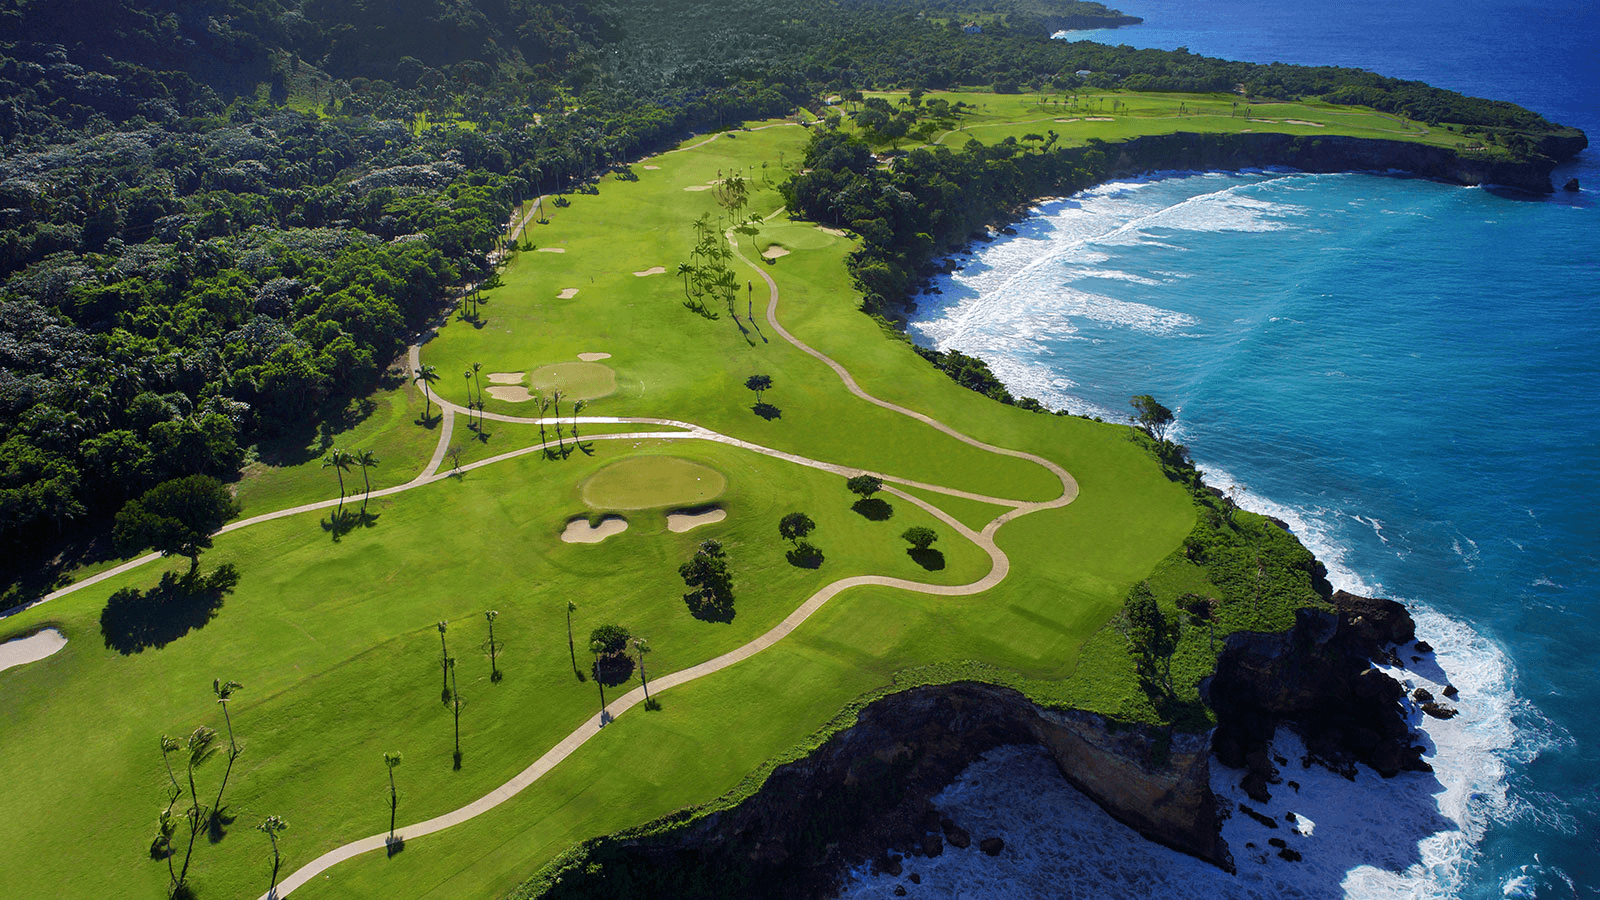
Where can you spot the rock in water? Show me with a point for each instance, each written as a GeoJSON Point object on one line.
{"type": "Point", "coordinates": [1571, 186]}
{"type": "Point", "coordinates": [992, 846]}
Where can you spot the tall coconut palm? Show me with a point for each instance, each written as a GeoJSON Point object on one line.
{"type": "Point", "coordinates": [455, 697]}
{"type": "Point", "coordinates": [339, 461]}
{"type": "Point", "coordinates": [685, 269]}
{"type": "Point", "coordinates": [577, 407]}
{"type": "Point", "coordinates": [202, 745]}
{"type": "Point", "coordinates": [494, 668]}
{"type": "Point", "coordinates": [471, 404]}
{"type": "Point", "coordinates": [273, 826]}
{"type": "Point", "coordinates": [641, 647]}
{"type": "Point", "coordinates": [392, 759]}
{"type": "Point", "coordinates": [444, 661]}
{"type": "Point", "coordinates": [224, 691]}
{"type": "Point", "coordinates": [170, 745]}
{"type": "Point", "coordinates": [544, 408]}
{"type": "Point", "coordinates": [366, 459]}
{"type": "Point", "coordinates": [427, 375]}
{"type": "Point", "coordinates": [571, 649]}
{"type": "Point", "coordinates": [555, 400]}
{"type": "Point", "coordinates": [598, 647]}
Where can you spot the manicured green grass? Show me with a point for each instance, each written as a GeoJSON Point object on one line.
{"type": "Point", "coordinates": [648, 482]}
{"type": "Point", "coordinates": [335, 640]}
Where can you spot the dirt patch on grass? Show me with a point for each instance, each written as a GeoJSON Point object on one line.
{"type": "Point", "coordinates": [32, 648]}
{"type": "Point", "coordinates": [653, 270]}
{"type": "Point", "coordinates": [683, 520]}
{"type": "Point", "coordinates": [579, 531]}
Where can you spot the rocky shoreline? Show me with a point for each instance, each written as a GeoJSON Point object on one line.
{"type": "Point", "coordinates": [866, 793]}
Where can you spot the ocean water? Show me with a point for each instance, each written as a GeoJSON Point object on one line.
{"type": "Point", "coordinates": [1408, 373]}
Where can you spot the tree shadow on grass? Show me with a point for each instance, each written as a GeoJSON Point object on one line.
{"type": "Point", "coordinates": [217, 823]}
{"type": "Point", "coordinates": [614, 669]}
{"type": "Point", "coordinates": [873, 508]}
{"type": "Point", "coordinates": [342, 522]}
{"type": "Point", "coordinates": [805, 556]}
{"type": "Point", "coordinates": [929, 559]}
{"type": "Point", "coordinates": [135, 620]}
{"type": "Point", "coordinates": [394, 845]}
{"type": "Point", "coordinates": [767, 411]}
{"type": "Point", "coordinates": [711, 610]}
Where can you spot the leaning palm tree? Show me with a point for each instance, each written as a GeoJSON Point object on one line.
{"type": "Point", "coordinates": [339, 461]}
{"type": "Point", "coordinates": [544, 408]}
{"type": "Point", "coordinates": [571, 649]}
{"type": "Point", "coordinates": [685, 269]}
{"type": "Point", "coordinates": [170, 745]}
{"type": "Point", "coordinates": [273, 826]}
{"type": "Point", "coordinates": [427, 375]}
{"type": "Point", "coordinates": [366, 459]}
{"type": "Point", "coordinates": [202, 745]}
{"type": "Point", "coordinates": [224, 691]}
{"type": "Point", "coordinates": [392, 759]}
{"type": "Point", "coordinates": [577, 407]}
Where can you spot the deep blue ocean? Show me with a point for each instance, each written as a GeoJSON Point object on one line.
{"type": "Point", "coordinates": [1408, 372]}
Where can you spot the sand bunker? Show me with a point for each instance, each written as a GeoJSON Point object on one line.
{"type": "Point", "coordinates": [567, 293]}
{"type": "Point", "coordinates": [653, 270]}
{"type": "Point", "coordinates": [579, 531]}
{"type": "Point", "coordinates": [1073, 119]}
{"type": "Point", "coordinates": [836, 232]}
{"type": "Point", "coordinates": [575, 380]}
{"type": "Point", "coordinates": [593, 357]}
{"type": "Point", "coordinates": [652, 168]}
{"type": "Point", "coordinates": [775, 251]}
{"type": "Point", "coordinates": [32, 648]}
{"type": "Point", "coordinates": [1303, 122]}
{"type": "Point", "coordinates": [698, 187]}
{"type": "Point", "coordinates": [513, 394]}
{"type": "Point", "coordinates": [1098, 119]}
{"type": "Point", "coordinates": [506, 377]}
{"type": "Point", "coordinates": [684, 520]}
{"type": "Point", "coordinates": [552, 249]}
{"type": "Point", "coordinates": [651, 482]}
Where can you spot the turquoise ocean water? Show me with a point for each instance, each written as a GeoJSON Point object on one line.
{"type": "Point", "coordinates": [1408, 372]}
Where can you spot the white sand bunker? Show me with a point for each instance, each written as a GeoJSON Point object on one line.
{"type": "Point", "coordinates": [1073, 119]}
{"type": "Point", "coordinates": [652, 168]}
{"type": "Point", "coordinates": [1098, 119]}
{"type": "Point", "coordinates": [552, 249]}
{"type": "Point", "coordinates": [32, 648]}
{"type": "Point", "coordinates": [775, 251]}
{"type": "Point", "coordinates": [698, 187]}
{"type": "Point", "coordinates": [684, 520]}
{"type": "Point", "coordinates": [653, 270]}
{"type": "Point", "coordinates": [511, 394]}
{"type": "Point", "coordinates": [593, 357]}
{"type": "Point", "coordinates": [1302, 122]}
{"type": "Point", "coordinates": [506, 377]}
{"type": "Point", "coordinates": [579, 531]}
{"type": "Point", "coordinates": [567, 293]}
{"type": "Point", "coordinates": [836, 232]}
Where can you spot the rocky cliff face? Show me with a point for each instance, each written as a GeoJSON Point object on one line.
{"type": "Point", "coordinates": [1334, 154]}
{"type": "Point", "coordinates": [865, 793]}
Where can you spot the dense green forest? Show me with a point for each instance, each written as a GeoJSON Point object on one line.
{"type": "Point", "coordinates": [221, 220]}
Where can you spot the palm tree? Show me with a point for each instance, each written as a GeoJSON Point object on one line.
{"type": "Point", "coordinates": [597, 647]}
{"type": "Point", "coordinates": [427, 375]}
{"type": "Point", "coordinates": [641, 647]}
{"type": "Point", "coordinates": [224, 691]}
{"type": "Point", "coordinates": [684, 269]}
{"type": "Point", "coordinates": [577, 407]}
{"type": "Point", "coordinates": [392, 759]}
{"type": "Point", "coordinates": [471, 404]}
{"type": "Point", "coordinates": [166, 827]}
{"type": "Point", "coordinates": [169, 745]}
{"type": "Point", "coordinates": [456, 704]}
{"type": "Point", "coordinates": [494, 669]}
{"type": "Point", "coordinates": [444, 661]}
{"type": "Point", "coordinates": [273, 826]}
{"type": "Point", "coordinates": [339, 461]}
{"type": "Point", "coordinates": [544, 407]}
{"type": "Point", "coordinates": [571, 650]}
{"type": "Point", "coordinates": [366, 459]}
{"type": "Point", "coordinates": [202, 745]}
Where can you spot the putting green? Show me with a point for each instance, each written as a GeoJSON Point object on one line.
{"type": "Point", "coordinates": [575, 380]}
{"type": "Point", "coordinates": [646, 482]}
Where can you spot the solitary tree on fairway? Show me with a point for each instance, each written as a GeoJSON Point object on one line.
{"type": "Point", "coordinates": [571, 650]}
{"type": "Point", "coordinates": [273, 826]}
{"type": "Point", "coordinates": [758, 383]}
{"type": "Point", "coordinates": [175, 517]}
{"type": "Point", "coordinates": [444, 662]}
{"type": "Point", "coordinates": [920, 536]}
{"type": "Point", "coordinates": [710, 594]}
{"type": "Point", "coordinates": [795, 526]}
{"type": "Point", "coordinates": [494, 668]}
{"type": "Point", "coordinates": [865, 485]}
{"type": "Point", "coordinates": [1152, 416]}
{"type": "Point", "coordinates": [427, 375]}
{"type": "Point", "coordinates": [392, 759]}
